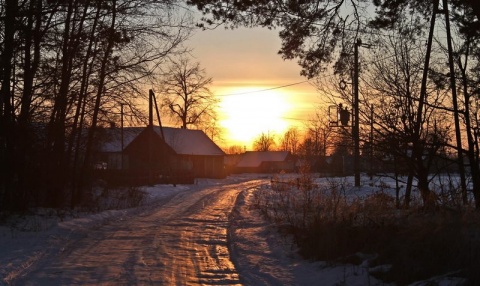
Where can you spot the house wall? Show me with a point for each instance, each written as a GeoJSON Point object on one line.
{"type": "Point", "coordinates": [148, 155]}
{"type": "Point", "coordinates": [114, 161]}
{"type": "Point", "coordinates": [240, 170]}
{"type": "Point", "coordinates": [230, 162]}
{"type": "Point", "coordinates": [276, 167]}
{"type": "Point", "coordinates": [148, 158]}
{"type": "Point", "coordinates": [149, 152]}
{"type": "Point", "coordinates": [206, 166]}
{"type": "Point", "coordinates": [268, 167]}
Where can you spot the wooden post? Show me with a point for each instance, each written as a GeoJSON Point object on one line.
{"type": "Point", "coordinates": [355, 126]}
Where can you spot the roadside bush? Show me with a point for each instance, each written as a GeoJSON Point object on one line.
{"type": "Point", "coordinates": [426, 245]}
{"type": "Point", "coordinates": [117, 198]}
{"type": "Point", "coordinates": [100, 198]}
{"type": "Point", "coordinates": [328, 225]}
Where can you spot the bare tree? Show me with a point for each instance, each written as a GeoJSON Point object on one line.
{"type": "Point", "coordinates": [7, 144]}
{"type": "Point", "coordinates": [76, 62]}
{"type": "Point", "coordinates": [313, 31]}
{"type": "Point", "coordinates": [235, 149]}
{"type": "Point", "coordinates": [468, 62]}
{"type": "Point", "coordinates": [188, 98]}
{"type": "Point", "coordinates": [264, 142]}
{"type": "Point", "coordinates": [394, 88]}
{"type": "Point", "coordinates": [212, 128]}
{"type": "Point", "coordinates": [320, 135]}
{"type": "Point", "coordinates": [290, 140]}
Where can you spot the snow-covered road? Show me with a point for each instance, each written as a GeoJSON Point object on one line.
{"type": "Point", "coordinates": [209, 233]}
{"type": "Point", "coordinates": [181, 241]}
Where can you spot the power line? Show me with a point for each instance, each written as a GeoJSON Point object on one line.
{"type": "Point", "coordinates": [305, 81]}
{"type": "Point", "coordinates": [267, 89]}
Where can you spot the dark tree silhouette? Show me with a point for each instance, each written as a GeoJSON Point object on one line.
{"type": "Point", "coordinates": [68, 66]}
{"type": "Point", "coordinates": [264, 142]}
{"type": "Point", "coordinates": [317, 33]}
{"type": "Point", "coordinates": [290, 140]}
{"type": "Point", "coordinates": [187, 96]}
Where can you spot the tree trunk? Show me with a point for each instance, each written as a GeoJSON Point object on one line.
{"type": "Point", "coordinates": [456, 113]}
{"type": "Point", "coordinates": [472, 157]}
{"type": "Point", "coordinates": [427, 198]}
{"type": "Point", "coordinates": [408, 189]}
{"type": "Point", "coordinates": [100, 90]}
{"type": "Point", "coordinates": [7, 143]}
{"type": "Point", "coordinates": [76, 137]}
{"type": "Point", "coordinates": [23, 134]}
{"type": "Point", "coordinates": [57, 165]}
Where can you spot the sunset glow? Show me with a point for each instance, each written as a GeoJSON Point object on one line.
{"type": "Point", "coordinates": [244, 63]}
{"type": "Point", "coordinates": [246, 112]}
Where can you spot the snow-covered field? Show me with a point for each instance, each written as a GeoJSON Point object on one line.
{"type": "Point", "coordinates": [261, 255]}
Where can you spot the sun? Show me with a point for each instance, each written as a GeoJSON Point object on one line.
{"type": "Point", "coordinates": [248, 111]}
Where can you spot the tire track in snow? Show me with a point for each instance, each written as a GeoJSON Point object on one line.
{"type": "Point", "coordinates": [182, 242]}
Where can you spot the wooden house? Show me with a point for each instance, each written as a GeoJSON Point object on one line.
{"type": "Point", "coordinates": [265, 162]}
{"type": "Point", "coordinates": [154, 154]}
{"type": "Point", "coordinates": [195, 151]}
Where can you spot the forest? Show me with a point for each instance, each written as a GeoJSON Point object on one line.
{"type": "Point", "coordinates": [68, 68]}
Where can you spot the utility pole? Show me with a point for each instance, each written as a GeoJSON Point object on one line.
{"type": "Point", "coordinates": [458, 135]}
{"type": "Point", "coordinates": [355, 126]}
{"type": "Point", "coordinates": [121, 131]}
{"type": "Point", "coordinates": [150, 136]}
{"type": "Point", "coordinates": [150, 108]}
{"type": "Point", "coordinates": [371, 142]}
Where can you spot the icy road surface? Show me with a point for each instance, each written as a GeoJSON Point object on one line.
{"type": "Point", "coordinates": [181, 241]}
{"type": "Point", "coordinates": [209, 233]}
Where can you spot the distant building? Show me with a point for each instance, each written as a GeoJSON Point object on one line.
{"type": "Point", "coordinates": [231, 161]}
{"type": "Point", "coordinates": [159, 154]}
{"type": "Point", "coordinates": [265, 162]}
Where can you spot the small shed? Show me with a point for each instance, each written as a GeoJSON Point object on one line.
{"type": "Point", "coordinates": [265, 162]}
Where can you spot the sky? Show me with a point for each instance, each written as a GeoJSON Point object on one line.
{"type": "Point", "coordinates": [247, 71]}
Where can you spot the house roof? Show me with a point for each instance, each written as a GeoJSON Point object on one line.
{"type": "Point", "coordinates": [182, 141]}
{"type": "Point", "coordinates": [189, 142]}
{"type": "Point", "coordinates": [255, 158]}
{"type": "Point", "coordinates": [112, 138]}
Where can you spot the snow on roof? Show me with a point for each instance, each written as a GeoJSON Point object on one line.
{"type": "Point", "coordinates": [183, 141]}
{"type": "Point", "coordinates": [112, 138]}
{"type": "Point", "coordinates": [255, 158]}
{"type": "Point", "coordinates": [189, 141]}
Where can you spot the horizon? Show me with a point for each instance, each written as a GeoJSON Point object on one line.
{"type": "Point", "coordinates": [245, 67]}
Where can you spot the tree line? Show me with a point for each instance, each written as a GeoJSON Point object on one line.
{"type": "Point", "coordinates": [67, 68]}
{"type": "Point", "coordinates": [418, 75]}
